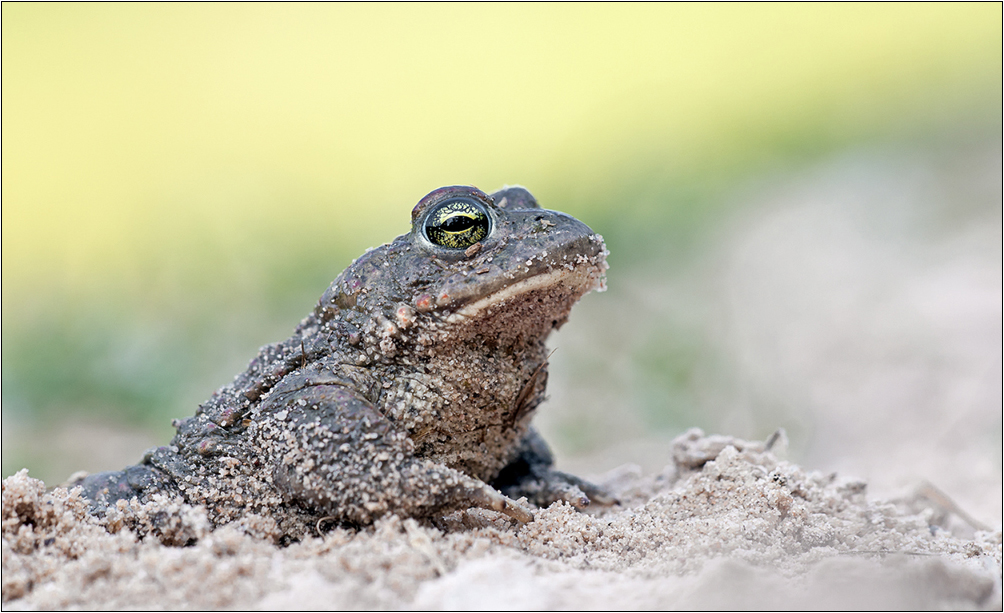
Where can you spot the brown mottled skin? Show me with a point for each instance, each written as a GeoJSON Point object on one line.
{"type": "Point", "coordinates": [409, 389]}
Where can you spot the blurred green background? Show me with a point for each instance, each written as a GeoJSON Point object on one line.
{"type": "Point", "coordinates": [182, 181]}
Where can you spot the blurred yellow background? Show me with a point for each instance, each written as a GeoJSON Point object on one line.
{"type": "Point", "coordinates": [181, 181]}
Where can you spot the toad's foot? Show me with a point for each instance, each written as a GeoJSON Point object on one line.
{"type": "Point", "coordinates": [531, 475]}
{"type": "Point", "coordinates": [487, 497]}
{"type": "Point", "coordinates": [544, 487]}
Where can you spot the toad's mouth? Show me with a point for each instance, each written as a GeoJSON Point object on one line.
{"type": "Point", "coordinates": [559, 287]}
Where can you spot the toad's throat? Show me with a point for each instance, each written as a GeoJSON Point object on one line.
{"type": "Point", "coordinates": [577, 281]}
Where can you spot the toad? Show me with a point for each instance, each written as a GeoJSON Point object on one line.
{"type": "Point", "coordinates": [409, 389]}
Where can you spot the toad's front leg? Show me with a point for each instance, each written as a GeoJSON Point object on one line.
{"type": "Point", "coordinates": [331, 449]}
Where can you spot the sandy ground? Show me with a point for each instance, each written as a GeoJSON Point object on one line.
{"type": "Point", "coordinates": [726, 525]}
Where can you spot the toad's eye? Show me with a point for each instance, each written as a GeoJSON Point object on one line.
{"type": "Point", "coordinates": [457, 224]}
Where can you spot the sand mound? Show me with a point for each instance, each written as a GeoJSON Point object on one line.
{"type": "Point", "coordinates": [728, 525]}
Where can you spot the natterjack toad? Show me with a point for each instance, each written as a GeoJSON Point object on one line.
{"type": "Point", "coordinates": [408, 390]}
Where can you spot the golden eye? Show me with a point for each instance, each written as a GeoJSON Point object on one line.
{"type": "Point", "coordinates": [457, 224]}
